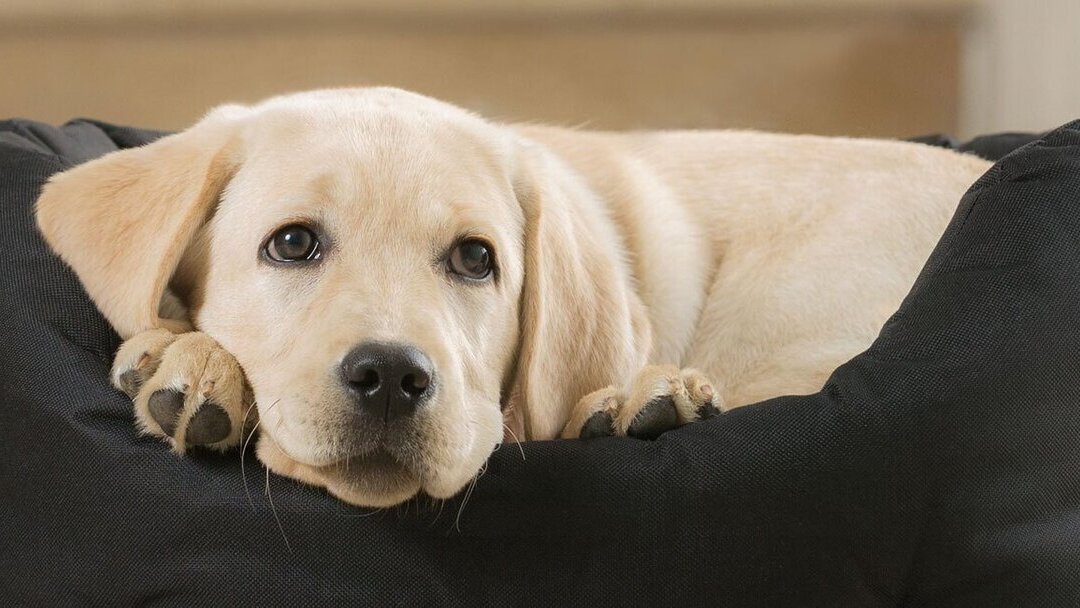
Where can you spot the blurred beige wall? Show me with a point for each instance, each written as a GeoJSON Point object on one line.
{"type": "Point", "coordinates": [858, 67]}
{"type": "Point", "coordinates": [1021, 66]}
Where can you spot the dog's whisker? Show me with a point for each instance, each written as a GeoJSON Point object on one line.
{"type": "Point", "coordinates": [517, 441]}
{"type": "Point", "coordinates": [243, 472]}
{"type": "Point", "coordinates": [244, 446]}
{"type": "Point", "coordinates": [247, 412]}
{"type": "Point", "coordinates": [368, 514]}
{"type": "Point", "coordinates": [438, 514]}
{"type": "Point", "coordinates": [464, 500]}
{"type": "Point", "coordinates": [273, 510]}
{"type": "Point", "coordinates": [352, 511]}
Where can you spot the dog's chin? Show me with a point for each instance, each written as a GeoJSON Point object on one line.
{"type": "Point", "coordinates": [372, 480]}
{"type": "Point", "coordinates": [375, 480]}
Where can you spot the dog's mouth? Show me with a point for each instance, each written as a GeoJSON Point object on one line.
{"type": "Point", "coordinates": [383, 464]}
{"type": "Point", "coordinates": [373, 479]}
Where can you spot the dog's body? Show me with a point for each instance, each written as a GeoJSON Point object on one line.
{"type": "Point", "coordinates": [628, 268]}
{"type": "Point", "coordinates": [766, 260]}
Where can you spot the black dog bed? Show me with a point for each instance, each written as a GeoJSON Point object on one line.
{"type": "Point", "coordinates": [940, 467]}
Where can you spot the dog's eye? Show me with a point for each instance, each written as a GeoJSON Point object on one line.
{"type": "Point", "coordinates": [293, 243]}
{"type": "Point", "coordinates": [472, 259]}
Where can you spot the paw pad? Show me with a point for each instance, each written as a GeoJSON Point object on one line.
{"type": "Point", "coordinates": [209, 425]}
{"type": "Point", "coordinates": [656, 417]}
{"type": "Point", "coordinates": [707, 410]}
{"type": "Point", "coordinates": [599, 424]}
{"type": "Point", "coordinates": [660, 398]}
{"type": "Point", "coordinates": [165, 407]}
{"type": "Point", "coordinates": [130, 382]}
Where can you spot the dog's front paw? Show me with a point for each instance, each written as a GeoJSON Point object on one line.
{"type": "Point", "coordinates": [186, 389]}
{"type": "Point", "coordinates": [661, 397]}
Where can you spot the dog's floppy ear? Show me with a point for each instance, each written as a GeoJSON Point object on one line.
{"type": "Point", "coordinates": [123, 221]}
{"type": "Point", "coordinates": [582, 325]}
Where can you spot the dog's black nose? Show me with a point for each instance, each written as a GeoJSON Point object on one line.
{"type": "Point", "coordinates": [387, 380]}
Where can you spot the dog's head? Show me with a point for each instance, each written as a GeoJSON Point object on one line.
{"type": "Point", "coordinates": [396, 276]}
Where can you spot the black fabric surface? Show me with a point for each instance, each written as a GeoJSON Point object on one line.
{"type": "Point", "coordinates": [991, 147]}
{"type": "Point", "coordinates": [939, 468]}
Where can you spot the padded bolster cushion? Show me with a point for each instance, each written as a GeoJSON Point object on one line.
{"type": "Point", "coordinates": [941, 467]}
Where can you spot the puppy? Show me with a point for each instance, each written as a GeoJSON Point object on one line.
{"type": "Point", "coordinates": [389, 284]}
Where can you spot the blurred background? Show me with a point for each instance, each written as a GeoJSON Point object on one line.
{"type": "Point", "coordinates": [855, 67]}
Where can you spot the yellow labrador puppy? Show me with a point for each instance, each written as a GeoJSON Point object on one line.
{"type": "Point", "coordinates": [390, 282]}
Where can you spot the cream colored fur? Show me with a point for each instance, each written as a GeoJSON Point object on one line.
{"type": "Point", "coordinates": [764, 261]}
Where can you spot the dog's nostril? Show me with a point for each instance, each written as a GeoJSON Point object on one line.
{"type": "Point", "coordinates": [369, 381]}
{"type": "Point", "coordinates": [388, 380]}
{"type": "Point", "coordinates": [415, 384]}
